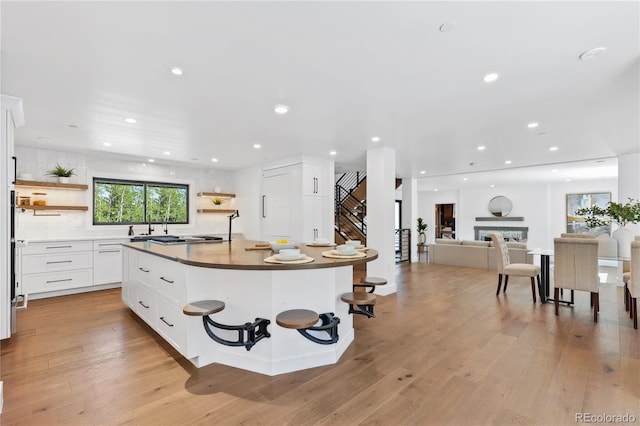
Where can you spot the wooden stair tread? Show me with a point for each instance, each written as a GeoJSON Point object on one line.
{"type": "Point", "coordinates": [297, 318]}
{"type": "Point", "coordinates": [359, 298]}
{"type": "Point", "coordinates": [203, 307]}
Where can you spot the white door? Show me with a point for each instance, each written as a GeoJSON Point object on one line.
{"type": "Point", "coordinates": [276, 207]}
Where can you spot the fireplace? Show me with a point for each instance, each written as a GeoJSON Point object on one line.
{"type": "Point", "coordinates": [509, 233]}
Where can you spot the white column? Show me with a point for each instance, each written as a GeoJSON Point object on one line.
{"type": "Point", "coordinates": [381, 196]}
{"type": "Point", "coordinates": [629, 181]}
{"type": "Point", "coordinates": [410, 213]}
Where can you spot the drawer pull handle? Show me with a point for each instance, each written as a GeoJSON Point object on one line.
{"type": "Point", "coordinates": [164, 321]}
{"type": "Point", "coordinates": [144, 270]}
{"type": "Point", "coordinates": [143, 305]}
{"type": "Point", "coordinates": [60, 261]}
{"type": "Point", "coordinates": [59, 281]}
{"type": "Point", "coordinates": [58, 247]}
{"type": "Point", "coordinates": [109, 244]}
{"type": "Point", "coordinates": [166, 280]}
{"type": "Point", "coordinates": [108, 251]}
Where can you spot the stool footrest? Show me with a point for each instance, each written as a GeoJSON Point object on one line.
{"type": "Point", "coordinates": [248, 334]}
{"type": "Point", "coordinates": [329, 325]}
{"type": "Point", "coordinates": [366, 310]}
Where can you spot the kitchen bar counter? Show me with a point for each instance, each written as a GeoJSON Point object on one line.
{"type": "Point", "coordinates": [235, 256]}
{"type": "Point", "coordinates": [159, 280]}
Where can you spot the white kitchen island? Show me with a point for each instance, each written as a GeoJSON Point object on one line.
{"type": "Point", "coordinates": [158, 281]}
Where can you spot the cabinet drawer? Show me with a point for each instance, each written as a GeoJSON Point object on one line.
{"type": "Point", "coordinates": [171, 323]}
{"type": "Point", "coordinates": [171, 283]}
{"type": "Point", "coordinates": [146, 270]}
{"type": "Point", "coordinates": [108, 244]}
{"type": "Point", "coordinates": [107, 266]}
{"type": "Point", "coordinates": [57, 247]}
{"type": "Point", "coordinates": [36, 263]}
{"type": "Point", "coordinates": [38, 283]}
{"type": "Point", "coordinates": [146, 305]}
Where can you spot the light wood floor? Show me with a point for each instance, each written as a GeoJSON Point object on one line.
{"type": "Point", "coordinates": [443, 350]}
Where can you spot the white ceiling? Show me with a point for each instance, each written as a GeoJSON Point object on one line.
{"type": "Point", "coordinates": [348, 70]}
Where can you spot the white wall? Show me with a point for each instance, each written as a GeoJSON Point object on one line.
{"type": "Point", "coordinates": [79, 224]}
{"type": "Point", "coordinates": [543, 207]}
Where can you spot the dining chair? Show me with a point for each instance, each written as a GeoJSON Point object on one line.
{"type": "Point", "coordinates": [633, 285]}
{"type": "Point", "coordinates": [506, 268]}
{"type": "Point", "coordinates": [576, 268]}
{"type": "Point", "coordinates": [576, 235]}
{"type": "Point", "coordinates": [626, 276]}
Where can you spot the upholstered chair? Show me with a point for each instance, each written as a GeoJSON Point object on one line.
{"type": "Point", "coordinates": [506, 268]}
{"type": "Point", "coordinates": [633, 285]}
{"type": "Point", "coordinates": [626, 276]}
{"type": "Point", "coordinates": [576, 268]}
{"type": "Point", "coordinates": [577, 235]}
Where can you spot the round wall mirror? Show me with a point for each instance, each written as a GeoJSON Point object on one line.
{"type": "Point", "coordinates": [500, 206]}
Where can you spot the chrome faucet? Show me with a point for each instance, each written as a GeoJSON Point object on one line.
{"type": "Point", "coordinates": [150, 227]}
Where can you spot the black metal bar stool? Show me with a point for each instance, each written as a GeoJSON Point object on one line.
{"type": "Point", "coordinates": [304, 321]}
{"type": "Point", "coordinates": [248, 334]}
{"type": "Point", "coordinates": [370, 282]}
{"type": "Point", "coordinates": [360, 303]}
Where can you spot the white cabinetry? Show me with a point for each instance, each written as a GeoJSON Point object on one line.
{"type": "Point", "coordinates": [107, 261]}
{"type": "Point", "coordinates": [56, 266]}
{"type": "Point", "coordinates": [156, 291]}
{"type": "Point", "coordinates": [297, 202]}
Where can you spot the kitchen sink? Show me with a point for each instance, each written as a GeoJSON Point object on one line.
{"type": "Point", "coordinates": [173, 239]}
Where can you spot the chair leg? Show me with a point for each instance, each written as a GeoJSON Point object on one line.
{"type": "Point", "coordinates": [596, 306]}
{"type": "Point", "coordinates": [592, 300]}
{"type": "Point", "coordinates": [506, 281]}
{"type": "Point", "coordinates": [556, 296]}
{"type": "Point", "coordinates": [499, 284]}
{"type": "Point", "coordinates": [540, 290]}
{"type": "Point", "coordinates": [635, 313]}
{"type": "Point", "coordinates": [533, 288]}
{"type": "Point", "coordinates": [626, 297]}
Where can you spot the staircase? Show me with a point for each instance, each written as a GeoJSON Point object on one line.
{"type": "Point", "coordinates": [351, 207]}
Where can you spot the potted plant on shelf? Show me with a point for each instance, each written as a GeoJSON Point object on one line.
{"type": "Point", "coordinates": [621, 214]}
{"type": "Point", "coordinates": [63, 174]}
{"type": "Point", "coordinates": [422, 227]}
{"type": "Point", "coordinates": [217, 201]}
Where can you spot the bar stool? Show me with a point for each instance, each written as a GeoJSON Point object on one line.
{"type": "Point", "coordinates": [249, 333]}
{"type": "Point", "coordinates": [370, 282]}
{"type": "Point", "coordinates": [304, 320]}
{"type": "Point", "coordinates": [360, 303]}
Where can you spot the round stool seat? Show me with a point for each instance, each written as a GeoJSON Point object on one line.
{"type": "Point", "coordinates": [359, 298]}
{"type": "Point", "coordinates": [373, 281]}
{"type": "Point", "coordinates": [297, 318]}
{"type": "Point", "coordinates": [203, 307]}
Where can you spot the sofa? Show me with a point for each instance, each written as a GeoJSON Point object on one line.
{"type": "Point", "coordinates": [474, 254]}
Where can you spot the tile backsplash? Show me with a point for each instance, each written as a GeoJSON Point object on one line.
{"type": "Point", "coordinates": [69, 224]}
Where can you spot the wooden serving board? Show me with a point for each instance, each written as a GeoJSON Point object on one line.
{"type": "Point", "coordinates": [272, 259]}
{"type": "Point", "coordinates": [258, 248]}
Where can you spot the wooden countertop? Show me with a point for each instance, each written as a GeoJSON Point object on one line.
{"type": "Point", "coordinates": [234, 256]}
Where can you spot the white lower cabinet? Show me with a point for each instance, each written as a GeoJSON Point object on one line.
{"type": "Point", "coordinates": [107, 261]}
{"type": "Point", "coordinates": [156, 291]}
{"type": "Point", "coordinates": [52, 281]}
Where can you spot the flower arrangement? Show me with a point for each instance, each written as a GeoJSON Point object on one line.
{"type": "Point", "coordinates": [617, 212]}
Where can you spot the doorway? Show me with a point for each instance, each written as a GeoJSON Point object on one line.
{"type": "Point", "coordinates": [446, 221]}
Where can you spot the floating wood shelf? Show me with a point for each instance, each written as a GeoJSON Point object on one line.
{"type": "Point", "coordinates": [77, 208]}
{"type": "Point", "coordinates": [216, 210]}
{"type": "Point", "coordinates": [216, 194]}
{"type": "Point", "coordinates": [36, 184]}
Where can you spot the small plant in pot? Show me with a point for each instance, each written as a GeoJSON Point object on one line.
{"type": "Point", "coordinates": [63, 174]}
{"type": "Point", "coordinates": [422, 227]}
{"type": "Point", "coordinates": [218, 201]}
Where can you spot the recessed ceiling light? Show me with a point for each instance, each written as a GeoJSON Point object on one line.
{"type": "Point", "coordinates": [447, 26]}
{"type": "Point", "coordinates": [167, 153]}
{"type": "Point", "coordinates": [555, 170]}
{"type": "Point", "coordinates": [130, 120]}
{"type": "Point", "coordinates": [532, 125]}
{"type": "Point", "coordinates": [257, 146]}
{"type": "Point", "coordinates": [176, 71]}
{"type": "Point", "coordinates": [106, 144]}
{"type": "Point", "coordinates": [553, 148]}
{"type": "Point", "coordinates": [465, 178]}
{"type": "Point", "coordinates": [567, 180]}
{"type": "Point", "coordinates": [332, 153]}
{"type": "Point", "coordinates": [492, 186]}
{"type": "Point", "coordinates": [507, 162]}
{"type": "Point", "coordinates": [375, 139]}
{"type": "Point", "coordinates": [590, 54]}
{"type": "Point", "coordinates": [422, 172]}
{"type": "Point", "coordinates": [435, 190]}
{"type": "Point", "coordinates": [215, 160]}
{"type": "Point", "coordinates": [490, 78]}
{"type": "Point", "coordinates": [482, 148]}
{"type": "Point", "coordinates": [151, 160]}
{"type": "Point", "coordinates": [281, 109]}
